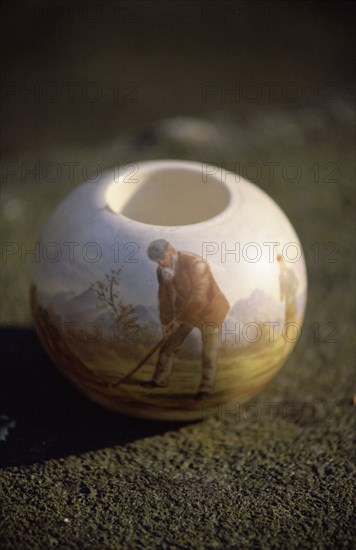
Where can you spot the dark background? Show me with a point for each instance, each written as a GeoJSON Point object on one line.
{"type": "Point", "coordinates": [245, 84]}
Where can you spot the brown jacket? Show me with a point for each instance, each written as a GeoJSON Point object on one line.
{"type": "Point", "coordinates": [193, 294]}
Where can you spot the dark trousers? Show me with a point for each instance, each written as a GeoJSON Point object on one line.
{"type": "Point", "coordinates": [211, 341]}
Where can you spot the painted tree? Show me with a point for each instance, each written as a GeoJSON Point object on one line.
{"type": "Point", "coordinates": [109, 293]}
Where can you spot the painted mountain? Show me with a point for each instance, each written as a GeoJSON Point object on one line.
{"type": "Point", "coordinates": [258, 307]}
{"type": "Point", "coordinates": [86, 309]}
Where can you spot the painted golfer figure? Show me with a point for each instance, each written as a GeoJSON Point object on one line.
{"type": "Point", "coordinates": [288, 284]}
{"type": "Point", "coordinates": [188, 297]}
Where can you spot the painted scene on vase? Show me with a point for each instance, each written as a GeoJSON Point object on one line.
{"type": "Point", "coordinates": [176, 327]}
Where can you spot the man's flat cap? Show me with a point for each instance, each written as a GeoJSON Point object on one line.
{"type": "Point", "coordinates": [157, 249]}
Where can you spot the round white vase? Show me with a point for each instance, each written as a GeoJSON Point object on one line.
{"type": "Point", "coordinates": [169, 289]}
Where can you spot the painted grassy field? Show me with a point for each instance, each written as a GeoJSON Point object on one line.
{"type": "Point", "coordinates": [238, 378]}
{"type": "Point", "coordinates": [97, 367]}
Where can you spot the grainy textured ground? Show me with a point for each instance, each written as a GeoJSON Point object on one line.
{"type": "Point", "coordinates": [275, 473]}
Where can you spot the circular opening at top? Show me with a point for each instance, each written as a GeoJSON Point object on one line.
{"type": "Point", "coordinates": [168, 196]}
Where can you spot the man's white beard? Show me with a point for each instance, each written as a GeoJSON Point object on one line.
{"type": "Point", "coordinates": [169, 272]}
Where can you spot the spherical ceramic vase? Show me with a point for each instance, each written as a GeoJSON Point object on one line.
{"type": "Point", "coordinates": [169, 289]}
